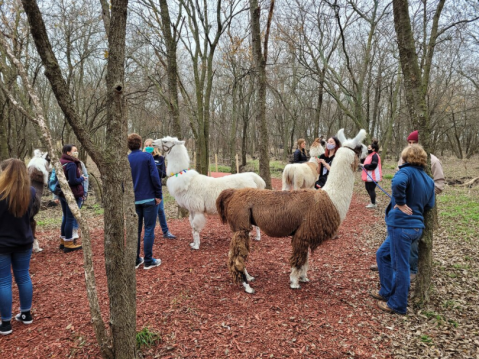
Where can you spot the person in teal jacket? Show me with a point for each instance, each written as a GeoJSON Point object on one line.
{"type": "Point", "coordinates": [412, 195]}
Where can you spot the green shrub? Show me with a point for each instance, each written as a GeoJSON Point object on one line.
{"type": "Point", "coordinates": [147, 338]}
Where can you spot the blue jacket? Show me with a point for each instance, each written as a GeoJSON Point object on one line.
{"type": "Point", "coordinates": [15, 233]}
{"type": "Point", "coordinates": [146, 182]}
{"type": "Point", "coordinates": [412, 186]}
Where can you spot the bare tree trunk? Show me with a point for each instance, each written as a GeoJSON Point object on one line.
{"type": "Point", "coordinates": [172, 68]}
{"type": "Point", "coordinates": [416, 85]}
{"type": "Point", "coordinates": [260, 67]}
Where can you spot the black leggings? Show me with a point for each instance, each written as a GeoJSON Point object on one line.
{"type": "Point", "coordinates": [371, 188]}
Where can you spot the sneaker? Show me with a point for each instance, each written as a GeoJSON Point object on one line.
{"type": "Point", "coordinates": [24, 317]}
{"type": "Point", "coordinates": [374, 268]}
{"type": "Point", "coordinates": [5, 328]}
{"type": "Point", "coordinates": [139, 262]}
{"type": "Point", "coordinates": [75, 233]}
{"type": "Point", "coordinates": [154, 263]}
{"type": "Point", "coordinates": [371, 205]}
{"type": "Point", "coordinates": [168, 235]}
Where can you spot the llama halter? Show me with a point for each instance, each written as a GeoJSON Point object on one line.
{"type": "Point", "coordinates": [179, 173]}
{"type": "Point", "coordinates": [167, 149]}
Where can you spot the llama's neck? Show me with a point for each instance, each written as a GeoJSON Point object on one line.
{"type": "Point", "coordinates": [340, 183]}
{"type": "Point", "coordinates": [177, 160]}
{"type": "Point", "coordinates": [38, 188]}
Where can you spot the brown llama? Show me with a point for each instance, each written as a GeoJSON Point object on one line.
{"type": "Point", "coordinates": [276, 213]}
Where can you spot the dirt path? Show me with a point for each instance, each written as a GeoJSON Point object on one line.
{"type": "Point", "coordinates": [191, 301]}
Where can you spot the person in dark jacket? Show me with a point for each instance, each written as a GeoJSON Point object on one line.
{"type": "Point", "coordinates": [326, 160]}
{"type": "Point", "coordinates": [148, 195]}
{"type": "Point", "coordinates": [300, 154]}
{"type": "Point", "coordinates": [160, 165]}
{"type": "Point", "coordinates": [372, 172]}
{"type": "Point", "coordinates": [16, 241]}
{"type": "Point", "coordinates": [73, 172]}
{"type": "Point", "coordinates": [412, 195]}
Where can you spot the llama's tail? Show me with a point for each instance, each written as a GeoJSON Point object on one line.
{"type": "Point", "coordinates": [288, 175]}
{"type": "Point", "coordinates": [222, 204]}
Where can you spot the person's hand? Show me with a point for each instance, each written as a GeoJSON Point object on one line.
{"type": "Point", "coordinates": [157, 201]}
{"type": "Point", "coordinates": [56, 201]}
{"type": "Point", "coordinates": [404, 209]}
{"type": "Point", "coordinates": [322, 161]}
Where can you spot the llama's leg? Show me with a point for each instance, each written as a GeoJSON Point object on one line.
{"type": "Point", "coordinates": [36, 246]}
{"type": "Point", "coordinates": [303, 275]}
{"type": "Point", "coordinates": [258, 233]}
{"type": "Point", "coordinates": [197, 221]}
{"type": "Point", "coordinates": [238, 254]}
{"type": "Point", "coordinates": [248, 277]}
{"type": "Point", "coordinates": [298, 260]}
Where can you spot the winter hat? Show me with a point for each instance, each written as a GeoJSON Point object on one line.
{"type": "Point", "coordinates": [413, 136]}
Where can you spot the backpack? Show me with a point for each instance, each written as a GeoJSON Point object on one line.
{"type": "Point", "coordinates": [53, 184]}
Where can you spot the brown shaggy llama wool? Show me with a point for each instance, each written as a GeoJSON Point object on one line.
{"type": "Point", "coordinates": [277, 214]}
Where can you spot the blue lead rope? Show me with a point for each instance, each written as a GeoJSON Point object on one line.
{"type": "Point", "coordinates": [376, 183]}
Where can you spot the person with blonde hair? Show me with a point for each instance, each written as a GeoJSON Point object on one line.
{"type": "Point", "coordinates": [160, 165]}
{"type": "Point", "coordinates": [412, 195]}
{"type": "Point", "coordinates": [16, 241]}
{"type": "Point", "coordinates": [300, 153]}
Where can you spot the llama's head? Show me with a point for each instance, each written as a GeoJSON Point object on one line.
{"type": "Point", "coordinates": [175, 152]}
{"type": "Point", "coordinates": [316, 149]}
{"type": "Point", "coordinates": [40, 161]}
{"type": "Point", "coordinates": [355, 144]}
{"type": "Point", "coordinates": [167, 143]}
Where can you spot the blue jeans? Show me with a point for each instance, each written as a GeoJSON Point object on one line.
{"type": "Point", "coordinates": [393, 264]}
{"type": "Point", "coordinates": [80, 204]}
{"type": "Point", "coordinates": [146, 212]}
{"type": "Point", "coordinates": [67, 219]}
{"type": "Point", "coordinates": [162, 217]}
{"type": "Point", "coordinates": [20, 262]}
{"type": "Point", "coordinates": [414, 257]}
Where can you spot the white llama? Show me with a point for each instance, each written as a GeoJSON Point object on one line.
{"type": "Point", "coordinates": [196, 192]}
{"type": "Point", "coordinates": [303, 175]}
{"type": "Point", "coordinates": [276, 213]}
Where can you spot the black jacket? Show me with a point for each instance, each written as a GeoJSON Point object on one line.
{"type": "Point", "coordinates": [300, 156]}
{"type": "Point", "coordinates": [160, 165]}
{"type": "Point", "coordinates": [15, 233]}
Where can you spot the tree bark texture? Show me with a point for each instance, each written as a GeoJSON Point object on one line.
{"type": "Point", "coordinates": [172, 68]}
{"type": "Point", "coordinates": [416, 85]}
{"type": "Point", "coordinates": [120, 256]}
{"type": "Point", "coordinates": [260, 69]}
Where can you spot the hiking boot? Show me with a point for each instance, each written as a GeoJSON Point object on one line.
{"type": "Point", "coordinates": [5, 328]}
{"type": "Point", "coordinates": [24, 317]}
{"type": "Point", "coordinates": [154, 263]}
{"type": "Point", "coordinates": [70, 246]}
{"type": "Point", "coordinates": [168, 235]}
{"type": "Point", "coordinates": [139, 262]}
{"type": "Point", "coordinates": [62, 243]}
{"type": "Point", "coordinates": [75, 234]}
{"type": "Point", "coordinates": [374, 268]}
{"type": "Point", "coordinates": [371, 205]}
{"type": "Point", "coordinates": [412, 277]}
{"type": "Point", "coordinates": [375, 294]}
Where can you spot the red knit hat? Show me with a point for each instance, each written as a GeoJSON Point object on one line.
{"type": "Point", "coordinates": [413, 136]}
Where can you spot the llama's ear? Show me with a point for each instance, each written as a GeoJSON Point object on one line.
{"type": "Point", "coordinates": [157, 143]}
{"type": "Point", "coordinates": [358, 140]}
{"type": "Point", "coordinates": [177, 142]}
{"type": "Point", "coordinates": [341, 136]}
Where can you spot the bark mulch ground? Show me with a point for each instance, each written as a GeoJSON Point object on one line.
{"type": "Point", "coordinates": [191, 302]}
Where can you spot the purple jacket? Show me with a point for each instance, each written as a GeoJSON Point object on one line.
{"type": "Point", "coordinates": [73, 173]}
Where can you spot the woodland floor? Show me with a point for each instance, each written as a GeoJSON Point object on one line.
{"type": "Point", "coordinates": [191, 302]}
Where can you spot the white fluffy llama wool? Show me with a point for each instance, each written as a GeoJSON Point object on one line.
{"type": "Point", "coordinates": [196, 192]}
{"type": "Point", "coordinates": [277, 214]}
{"type": "Point", "coordinates": [303, 175]}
